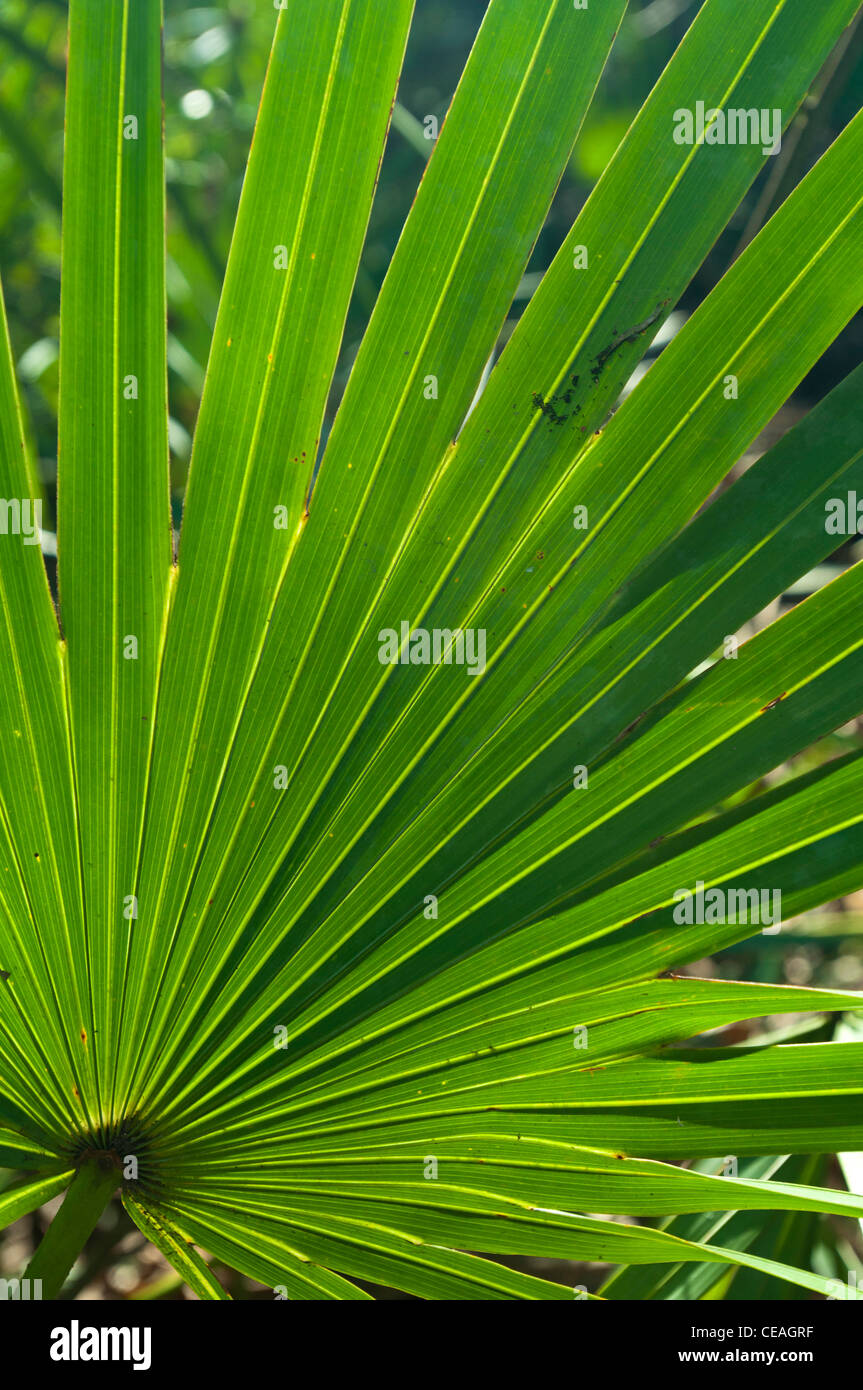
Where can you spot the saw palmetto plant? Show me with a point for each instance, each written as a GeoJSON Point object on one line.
{"type": "Point", "coordinates": [347, 854]}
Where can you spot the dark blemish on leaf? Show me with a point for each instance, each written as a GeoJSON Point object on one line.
{"type": "Point", "coordinates": [629, 728]}
{"type": "Point", "coordinates": [620, 338]}
{"type": "Point", "coordinates": [772, 705]}
{"type": "Point", "coordinates": [5, 974]}
{"type": "Point", "coordinates": [549, 407]}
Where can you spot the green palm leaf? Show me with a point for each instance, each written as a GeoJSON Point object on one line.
{"type": "Point", "coordinates": [352, 968]}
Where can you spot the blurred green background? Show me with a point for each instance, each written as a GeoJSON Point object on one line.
{"type": "Point", "coordinates": [215, 59]}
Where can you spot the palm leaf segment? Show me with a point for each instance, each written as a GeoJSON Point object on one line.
{"type": "Point", "coordinates": [344, 959]}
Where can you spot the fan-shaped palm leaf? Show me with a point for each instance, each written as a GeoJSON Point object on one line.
{"type": "Point", "coordinates": [345, 949]}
